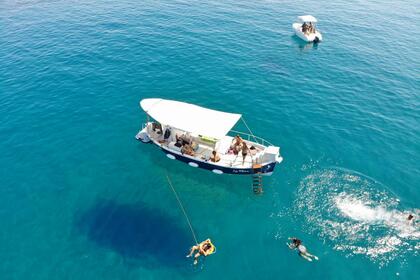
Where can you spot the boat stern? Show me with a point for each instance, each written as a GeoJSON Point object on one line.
{"type": "Point", "coordinates": [143, 136]}
{"type": "Point", "coordinates": [270, 158]}
{"type": "Point", "coordinates": [271, 154]}
{"type": "Point", "coordinates": [318, 35]}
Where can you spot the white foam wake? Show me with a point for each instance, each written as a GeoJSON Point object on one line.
{"type": "Point", "coordinates": [357, 215]}
{"type": "Point", "coordinates": [360, 210]}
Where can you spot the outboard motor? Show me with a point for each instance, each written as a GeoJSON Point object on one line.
{"type": "Point", "coordinates": [316, 40]}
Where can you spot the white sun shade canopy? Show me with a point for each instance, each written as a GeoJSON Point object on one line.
{"type": "Point", "coordinates": [307, 18]}
{"type": "Point", "coordinates": [189, 117]}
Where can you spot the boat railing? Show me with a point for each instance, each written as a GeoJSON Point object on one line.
{"type": "Point", "coordinates": [246, 136]}
{"type": "Point", "coordinates": [250, 137]}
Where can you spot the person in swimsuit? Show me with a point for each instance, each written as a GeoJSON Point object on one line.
{"type": "Point", "coordinates": [302, 251]}
{"type": "Point", "coordinates": [410, 219]}
{"type": "Point", "coordinates": [237, 144]}
{"type": "Point", "coordinates": [187, 149]}
{"type": "Point", "coordinates": [205, 248]}
{"type": "Point", "coordinates": [214, 156]}
{"type": "Point", "coordinates": [311, 28]}
{"type": "Point", "coordinates": [244, 152]}
{"type": "Point", "coordinates": [305, 27]}
{"type": "Point", "coordinates": [238, 140]}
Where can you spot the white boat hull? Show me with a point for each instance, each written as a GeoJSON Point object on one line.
{"type": "Point", "coordinates": [228, 163]}
{"type": "Point", "coordinates": [265, 170]}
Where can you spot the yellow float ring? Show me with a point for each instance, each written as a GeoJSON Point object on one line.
{"type": "Point", "coordinates": [212, 249]}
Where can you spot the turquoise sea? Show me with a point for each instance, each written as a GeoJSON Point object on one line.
{"type": "Point", "coordinates": [82, 199]}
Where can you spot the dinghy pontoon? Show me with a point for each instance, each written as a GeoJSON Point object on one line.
{"type": "Point", "coordinates": [199, 137]}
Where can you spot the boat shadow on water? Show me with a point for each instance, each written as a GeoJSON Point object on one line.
{"type": "Point", "coordinates": [205, 178]}
{"type": "Point", "coordinates": [302, 45]}
{"type": "Point", "coordinates": [136, 232]}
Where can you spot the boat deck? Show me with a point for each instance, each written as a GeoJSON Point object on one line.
{"type": "Point", "coordinates": [203, 151]}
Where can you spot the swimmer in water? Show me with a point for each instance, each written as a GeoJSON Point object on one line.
{"type": "Point", "coordinates": [205, 248]}
{"type": "Point", "coordinates": [297, 244]}
{"type": "Point", "coordinates": [410, 219]}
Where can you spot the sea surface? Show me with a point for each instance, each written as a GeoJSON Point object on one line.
{"type": "Point", "coordinates": [80, 198]}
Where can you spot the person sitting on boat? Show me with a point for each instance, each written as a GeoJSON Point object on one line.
{"type": "Point", "coordinates": [178, 142]}
{"type": "Point", "coordinates": [167, 134]}
{"type": "Point", "coordinates": [205, 248]}
{"type": "Point", "coordinates": [214, 157]}
{"type": "Point", "coordinates": [253, 150]}
{"type": "Point", "coordinates": [187, 149]}
{"type": "Point", "coordinates": [311, 28]}
{"type": "Point", "coordinates": [244, 152]}
{"type": "Point", "coordinates": [186, 139]}
{"type": "Point", "coordinates": [305, 27]}
{"type": "Point", "coordinates": [182, 140]}
{"type": "Point", "coordinates": [190, 151]}
{"type": "Point", "coordinates": [157, 127]}
{"type": "Point", "coordinates": [297, 244]}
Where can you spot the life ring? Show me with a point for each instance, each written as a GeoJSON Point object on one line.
{"type": "Point", "coordinates": [212, 249]}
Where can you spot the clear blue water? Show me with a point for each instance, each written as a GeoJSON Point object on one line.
{"type": "Point", "coordinates": [81, 199]}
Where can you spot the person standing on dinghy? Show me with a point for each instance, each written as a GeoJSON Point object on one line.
{"type": "Point", "coordinates": [302, 251]}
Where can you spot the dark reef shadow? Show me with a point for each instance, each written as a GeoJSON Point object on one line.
{"type": "Point", "coordinates": [136, 232]}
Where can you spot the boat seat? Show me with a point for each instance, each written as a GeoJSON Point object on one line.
{"type": "Point", "coordinates": [223, 145]}
{"type": "Point", "coordinates": [172, 146]}
{"type": "Point", "coordinates": [204, 151]}
{"type": "Point", "coordinates": [236, 161]}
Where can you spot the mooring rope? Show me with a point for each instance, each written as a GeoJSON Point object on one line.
{"type": "Point", "coordinates": [250, 132]}
{"type": "Point", "coordinates": [182, 208]}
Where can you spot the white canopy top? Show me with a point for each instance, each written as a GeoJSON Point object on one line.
{"type": "Point", "coordinates": [189, 117]}
{"type": "Point", "coordinates": [307, 18]}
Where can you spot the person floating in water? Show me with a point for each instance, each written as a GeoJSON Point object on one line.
{"type": "Point", "coordinates": [410, 219]}
{"type": "Point", "coordinates": [297, 244]}
{"type": "Point", "coordinates": [205, 248]}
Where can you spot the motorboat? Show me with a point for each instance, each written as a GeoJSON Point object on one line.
{"type": "Point", "coordinates": [200, 137]}
{"type": "Point", "coordinates": [306, 30]}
